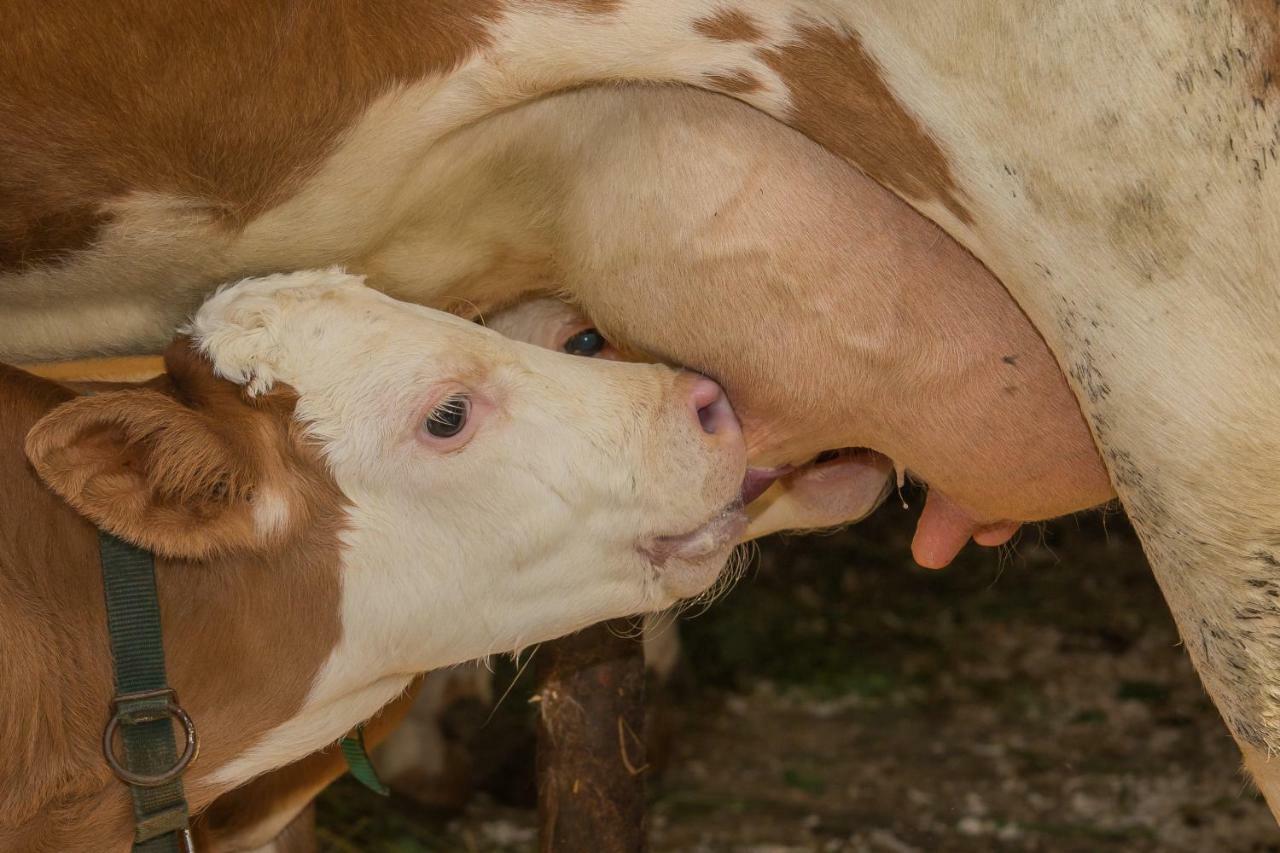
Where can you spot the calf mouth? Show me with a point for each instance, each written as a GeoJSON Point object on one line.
{"type": "Point", "coordinates": [842, 486]}
{"type": "Point", "coordinates": [689, 562]}
{"type": "Point", "coordinates": [723, 528]}
{"type": "Point", "coordinates": [711, 537]}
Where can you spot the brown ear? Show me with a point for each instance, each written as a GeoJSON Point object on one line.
{"type": "Point", "coordinates": [144, 467]}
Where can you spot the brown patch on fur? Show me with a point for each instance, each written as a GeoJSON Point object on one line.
{"type": "Point", "coordinates": [729, 25]}
{"type": "Point", "coordinates": [841, 102]}
{"type": "Point", "coordinates": [220, 614]}
{"type": "Point", "coordinates": [229, 104]}
{"type": "Point", "coordinates": [1262, 25]}
{"type": "Point", "coordinates": [738, 82]}
{"type": "Point", "coordinates": [30, 238]}
{"type": "Point", "coordinates": [1147, 232]}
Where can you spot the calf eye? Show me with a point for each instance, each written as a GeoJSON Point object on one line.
{"type": "Point", "coordinates": [447, 419]}
{"type": "Point", "coordinates": [588, 342]}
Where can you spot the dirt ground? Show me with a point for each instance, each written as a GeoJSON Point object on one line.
{"type": "Point", "coordinates": [841, 699]}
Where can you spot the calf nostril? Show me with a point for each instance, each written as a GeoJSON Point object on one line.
{"type": "Point", "coordinates": [709, 403]}
{"type": "Point", "coordinates": [707, 417]}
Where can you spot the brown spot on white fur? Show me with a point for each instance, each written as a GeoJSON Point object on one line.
{"type": "Point", "coordinates": [1262, 28]}
{"type": "Point", "coordinates": [841, 101]}
{"type": "Point", "coordinates": [738, 82]}
{"type": "Point", "coordinates": [1148, 232]}
{"type": "Point", "coordinates": [729, 25]}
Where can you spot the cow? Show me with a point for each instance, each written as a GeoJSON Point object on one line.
{"type": "Point", "coordinates": [315, 475]}
{"type": "Point", "coordinates": [1112, 163]}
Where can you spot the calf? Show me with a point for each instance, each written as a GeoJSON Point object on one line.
{"type": "Point", "coordinates": [341, 491]}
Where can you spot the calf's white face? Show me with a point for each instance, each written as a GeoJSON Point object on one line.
{"type": "Point", "coordinates": [500, 494]}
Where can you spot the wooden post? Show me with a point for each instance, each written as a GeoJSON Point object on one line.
{"type": "Point", "coordinates": [591, 752]}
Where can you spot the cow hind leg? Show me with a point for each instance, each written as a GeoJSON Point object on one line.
{"type": "Point", "coordinates": [1226, 602]}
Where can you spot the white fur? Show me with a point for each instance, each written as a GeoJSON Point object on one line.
{"type": "Point", "coordinates": [270, 513]}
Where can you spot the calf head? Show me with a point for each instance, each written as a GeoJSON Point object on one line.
{"type": "Point", "coordinates": [466, 494]}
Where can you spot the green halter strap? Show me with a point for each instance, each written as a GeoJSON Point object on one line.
{"type": "Point", "coordinates": [144, 703]}
{"type": "Point", "coordinates": [358, 762]}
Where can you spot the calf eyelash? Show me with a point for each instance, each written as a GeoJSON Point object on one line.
{"type": "Point", "coordinates": [449, 417]}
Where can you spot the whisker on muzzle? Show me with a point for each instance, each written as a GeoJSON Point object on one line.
{"type": "Point", "coordinates": [739, 562]}
{"type": "Point", "coordinates": [633, 631]}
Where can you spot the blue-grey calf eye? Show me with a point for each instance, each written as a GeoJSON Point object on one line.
{"type": "Point", "coordinates": [587, 342]}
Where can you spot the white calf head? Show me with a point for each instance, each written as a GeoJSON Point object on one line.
{"type": "Point", "coordinates": [501, 494]}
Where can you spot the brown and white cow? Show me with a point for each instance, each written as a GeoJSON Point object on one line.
{"type": "Point", "coordinates": [1112, 162]}
{"type": "Point", "coordinates": [342, 491]}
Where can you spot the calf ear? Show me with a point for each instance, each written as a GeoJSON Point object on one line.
{"type": "Point", "coordinates": [144, 467]}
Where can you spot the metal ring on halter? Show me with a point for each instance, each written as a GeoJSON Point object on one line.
{"type": "Point", "coordinates": [152, 780]}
